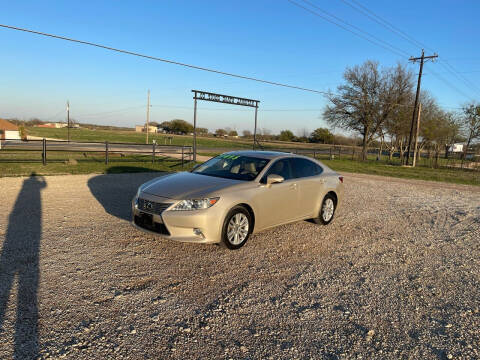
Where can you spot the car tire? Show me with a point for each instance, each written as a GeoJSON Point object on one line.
{"type": "Point", "coordinates": [327, 210]}
{"type": "Point", "coordinates": [237, 228]}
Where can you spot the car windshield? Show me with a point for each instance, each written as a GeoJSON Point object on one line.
{"type": "Point", "coordinates": [231, 166]}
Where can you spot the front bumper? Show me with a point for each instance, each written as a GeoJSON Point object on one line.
{"type": "Point", "coordinates": [198, 226]}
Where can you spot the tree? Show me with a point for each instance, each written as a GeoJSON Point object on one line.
{"type": "Point", "coordinates": [366, 99]}
{"type": "Point", "coordinates": [232, 133]}
{"type": "Point", "coordinates": [321, 135]}
{"type": "Point", "coordinates": [167, 126]}
{"type": "Point", "coordinates": [202, 131]}
{"type": "Point", "coordinates": [471, 123]}
{"type": "Point", "coordinates": [23, 132]}
{"type": "Point", "coordinates": [220, 132]}
{"type": "Point", "coordinates": [153, 123]}
{"type": "Point", "coordinates": [439, 129]}
{"type": "Point", "coordinates": [286, 135]}
{"type": "Point", "coordinates": [246, 133]}
{"type": "Point", "coordinates": [181, 126]}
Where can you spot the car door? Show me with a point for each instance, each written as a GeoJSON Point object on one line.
{"type": "Point", "coordinates": [310, 183]}
{"type": "Point", "coordinates": [277, 203]}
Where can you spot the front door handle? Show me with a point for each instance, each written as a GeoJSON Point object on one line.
{"type": "Point", "coordinates": [293, 186]}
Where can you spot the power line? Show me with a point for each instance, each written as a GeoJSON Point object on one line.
{"type": "Point", "coordinates": [202, 68]}
{"type": "Point", "coordinates": [355, 27]}
{"type": "Point", "coordinates": [450, 68]}
{"type": "Point", "coordinates": [112, 111]}
{"type": "Point", "coordinates": [448, 83]}
{"type": "Point", "coordinates": [54, 116]}
{"type": "Point", "coordinates": [164, 60]}
{"type": "Point", "coordinates": [344, 27]}
{"type": "Point", "coordinates": [388, 25]}
{"type": "Point", "coordinates": [381, 21]}
{"type": "Point", "coordinates": [227, 109]}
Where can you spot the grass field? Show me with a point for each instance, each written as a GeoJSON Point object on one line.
{"type": "Point", "coordinates": [20, 163]}
{"type": "Point", "coordinates": [134, 137]}
{"type": "Point", "coordinates": [24, 163]}
{"type": "Point", "coordinates": [457, 176]}
{"type": "Point", "coordinates": [15, 163]}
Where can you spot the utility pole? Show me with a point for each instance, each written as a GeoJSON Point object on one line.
{"type": "Point", "coordinates": [194, 147]}
{"type": "Point", "coordinates": [148, 113]}
{"type": "Point", "coordinates": [415, 154]}
{"type": "Point", "coordinates": [68, 120]}
{"type": "Point", "coordinates": [417, 95]}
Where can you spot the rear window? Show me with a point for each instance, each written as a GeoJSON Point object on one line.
{"type": "Point", "coordinates": [305, 168]}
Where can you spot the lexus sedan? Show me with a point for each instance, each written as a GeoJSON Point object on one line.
{"type": "Point", "coordinates": [236, 194]}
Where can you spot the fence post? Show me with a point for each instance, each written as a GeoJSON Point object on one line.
{"type": "Point", "coordinates": [353, 154]}
{"type": "Point", "coordinates": [331, 155]}
{"type": "Point", "coordinates": [314, 155]}
{"type": "Point", "coordinates": [339, 152]}
{"type": "Point", "coordinates": [44, 151]}
{"type": "Point", "coordinates": [183, 153]}
{"type": "Point", "coordinates": [153, 152]}
{"type": "Point", "coordinates": [106, 152]}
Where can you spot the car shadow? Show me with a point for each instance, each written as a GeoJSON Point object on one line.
{"type": "Point", "coordinates": [20, 260]}
{"type": "Point", "coordinates": [115, 190]}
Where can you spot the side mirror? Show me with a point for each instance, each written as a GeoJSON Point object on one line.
{"type": "Point", "coordinates": [273, 179]}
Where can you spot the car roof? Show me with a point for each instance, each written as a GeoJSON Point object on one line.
{"type": "Point", "coordinates": [261, 154]}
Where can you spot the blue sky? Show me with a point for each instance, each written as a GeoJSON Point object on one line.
{"type": "Point", "coordinates": [269, 39]}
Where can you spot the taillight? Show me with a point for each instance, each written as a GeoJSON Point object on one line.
{"type": "Point", "coordinates": [341, 179]}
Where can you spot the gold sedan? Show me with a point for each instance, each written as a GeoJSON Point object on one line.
{"type": "Point", "coordinates": [235, 194]}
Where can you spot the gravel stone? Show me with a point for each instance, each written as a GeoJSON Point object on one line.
{"type": "Point", "coordinates": [396, 275]}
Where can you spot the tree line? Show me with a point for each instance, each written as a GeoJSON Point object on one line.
{"type": "Point", "coordinates": [377, 104]}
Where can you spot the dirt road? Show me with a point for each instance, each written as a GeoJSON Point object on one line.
{"type": "Point", "coordinates": [396, 275]}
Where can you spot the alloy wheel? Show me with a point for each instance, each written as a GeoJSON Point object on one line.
{"type": "Point", "coordinates": [237, 230]}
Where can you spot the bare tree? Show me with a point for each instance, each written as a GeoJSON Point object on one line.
{"type": "Point", "coordinates": [471, 123]}
{"type": "Point", "coordinates": [368, 96]}
{"type": "Point", "coordinates": [246, 133]}
{"type": "Point", "coordinates": [439, 129]}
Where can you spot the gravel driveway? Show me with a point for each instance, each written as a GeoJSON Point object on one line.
{"type": "Point", "coordinates": [395, 276]}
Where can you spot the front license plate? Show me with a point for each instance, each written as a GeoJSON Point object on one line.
{"type": "Point", "coordinates": [147, 219]}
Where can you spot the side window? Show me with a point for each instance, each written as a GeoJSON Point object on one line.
{"type": "Point", "coordinates": [280, 167]}
{"type": "Point", "coordinates": [305, 168]}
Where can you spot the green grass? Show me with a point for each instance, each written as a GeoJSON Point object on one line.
{"type": "Point", "coordinates": [124, 136]}
{"type": "Point", "coordinates": [20, 163]}
{"type": "Point", "coordinates": [450, 175]}
{"type": "Point", "coordinates": [24, 163]}
{"type": "Point", "coordinates": [16, 163]}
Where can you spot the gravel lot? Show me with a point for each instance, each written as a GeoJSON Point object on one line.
{"type": "Point", "coordinates": [395, 276]}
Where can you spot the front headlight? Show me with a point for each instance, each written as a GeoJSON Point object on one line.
{"type": "Point", "coordinates": [195, 204]}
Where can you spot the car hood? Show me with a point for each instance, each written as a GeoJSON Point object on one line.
{"type": "Point", "coordinates": [186, 185]}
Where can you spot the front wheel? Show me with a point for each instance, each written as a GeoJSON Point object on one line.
{"type": "Point", "coordinates": [327, 210]}
{"type": "Point", "coordinates": [237, 228]}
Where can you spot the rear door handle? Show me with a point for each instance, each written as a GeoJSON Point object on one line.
{"type": "Point", "coordinates": [293, 186]}
{"type": "Point", "coordinates": [322, 181]}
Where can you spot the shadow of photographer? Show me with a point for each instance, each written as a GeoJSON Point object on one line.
{"type": "Point", "coordinates": [20, 259]}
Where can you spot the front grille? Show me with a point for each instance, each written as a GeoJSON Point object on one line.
{"type": "Point", "coordinates": [152, 206]}
{"type": "Point", "coordinates": [146, 222]}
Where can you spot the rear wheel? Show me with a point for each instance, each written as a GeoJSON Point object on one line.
{"type": "Point", "coordinates": [327, 211]}
{"type": "Point", "coordinates": [237, 228]}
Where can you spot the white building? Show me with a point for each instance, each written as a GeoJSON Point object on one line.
{"type": "Point", "coordinates": [8, 131]}
{"type": "Point", "coordinates": [456, 148]}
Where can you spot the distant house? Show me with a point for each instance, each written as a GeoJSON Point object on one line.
{"type": "Point", "coordinates": [151, 129]}
{"type": "Point", "coordinates": [8, 131]}
{"type": "Point", "coordinates": [456, 148]}
{"type": "Point", "coordinates": [53, 125]}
